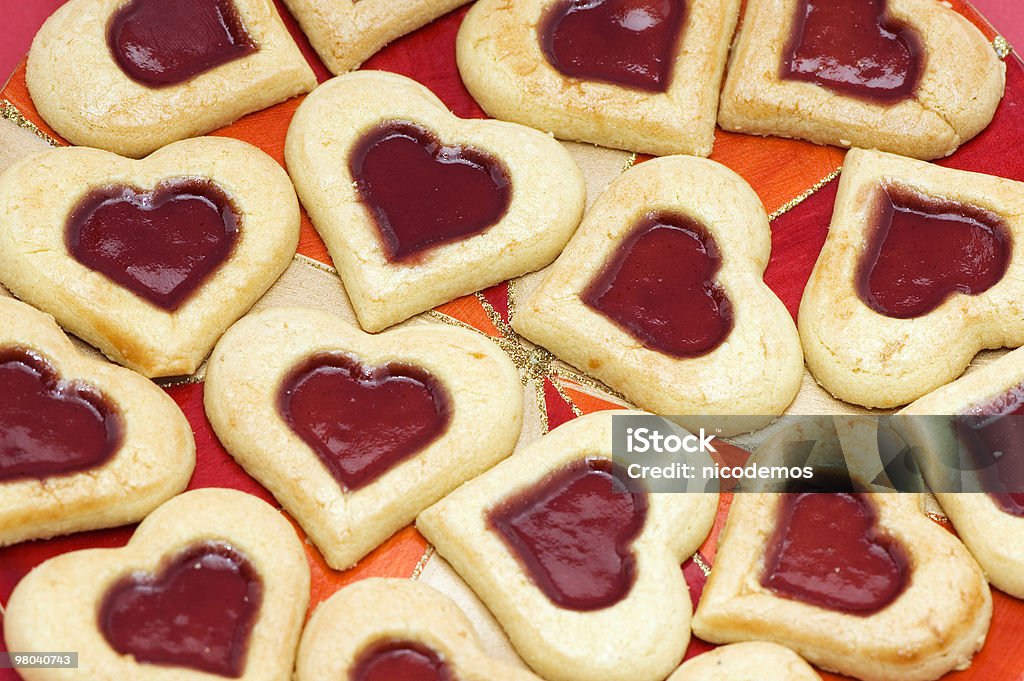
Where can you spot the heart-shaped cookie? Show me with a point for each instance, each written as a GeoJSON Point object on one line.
{"type": "Point", "coordinates": [83, 444]}
{"type": "Point", "coordinates": [141, 74]}
{"type": "Point", "coordinates": [752, 661]}
{"type": "Point", "coordinates": [214, 583]}
{"type": "Point", "coordinates": [984, 407]}
{"type": "Point", "coordinates": [660, 295]}
{"type": "Point", "coordinates": [394, 629]}
{"type": "Point", "coordinates": [150, 260]}
{"type": "Point", "coordinates": [347, 33]}
{"type": "Point", "coordinates": [920, 271]}
{"type": "Point", "coordinates": [907, 76]}
{"type": "Point", "coordinates": [628, 74]}
{"type": "Point", "coordinates": [861, 584]}
{"type": "Point", "coordinates": [356, 434]}
{"type": "Point", "coordinates": [568, 551]}
{"type": "Point", "coordinates": [418, 207]}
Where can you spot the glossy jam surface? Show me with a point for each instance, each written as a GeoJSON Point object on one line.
{"type": "Point", "coordinates": [828, 551]}
{"type": "Point", "coordinates": [423, 193]}
{"type": "Point", "coordinates": [852, 48]}
{"type": "Point", "coordinates": [361, 421]}
{"type": "Point", "coordinates": [573, 533]}
{"type": "Point", "coordinates": [993, 436]}
{"type": "Point", "coordinates": [161, 245]}
{"type": "Point", "coordinates": [400, 661]}
{"type": "Point", "coordinates": [660, 287]}
{"type": "Point", "coordinates": [166, 42]}
{"type": "Point", "coordinates": [625, 42]}
{"type": "Point", "coordinates": [922, 250]}
{"type": "Point", "coordinates": [49, 426]}
{"type": "Point", "coordinates": [197, 611]}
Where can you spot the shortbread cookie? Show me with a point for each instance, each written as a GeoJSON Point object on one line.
{"type": "Point", "coordinates": [660, 295]}
{"type": "Point", "coordinates": [919, 272]}
{"type": "Point", "coordinates": [151, 260]}
{"type": "Point", "coordinates": [754, 661]}
{"type": "Point", "coordinates": [389, 629]}
{"type": "Point", "coordinates": [908, 76]}
{"type": "Point", "coordinates": [418, 207]}
{"type": "Point", "coordinates": [347, 32]}
{"type": "Point", "coordinates": [578, 563]}
{"type": "Point", "coordinates": [83, 444]}
{"type": "Point", "coordinates": [355, 434]}
{"type": "Point", "coordinates": [213, 584]}
{"type": "Point", "coordinates": [628, 74]}
{"type": "Point", "coordinates": [131, 76]}
{"type": "Point", "coordinates": [861, 584]}
{"type": "Point", "coordinates": [987, 407]}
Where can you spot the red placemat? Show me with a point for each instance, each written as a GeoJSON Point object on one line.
{"type": "Point", "coordinates": [795, 180]}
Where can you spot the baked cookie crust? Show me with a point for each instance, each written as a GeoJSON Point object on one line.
{"type": "Point", "coordinates": [994, 537]}
{"type": "Point", "coordinates": [503, 66]}
{"type": "Point", "coordinates": [153, 462]}
{"type": "Point", "coordinates": [546, 205]}
{"type": "Point", "coordinates": [758, 367]}
{"type": "Point", "coordinates": [865, 357]}
{"type": "Point", "coordinates": [935, 626]}
{"type": "Point", "coordinates": [346, 33]}
{"type": "Point", "coordinates": [79, 89]}
{"type": "Point", "coordinates": [244, 378]}
{"type": "Point", "coordinates": [961, 85]}
{"type": "Point", "coordinates": [751, 661]}
{"type": "Point", "coordinates": [561, 644]}
{"type": "Point", "coordinates": [56, 604]}
{"type": "Point", "coordinates": [39, 193]}
{"type": "Point", "coordinates": [375, 611]}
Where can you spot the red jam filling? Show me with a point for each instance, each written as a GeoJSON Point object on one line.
{"type": "Point", "coordinates": [660, 287]}
{"type": "Point", "coordinates": [423, 193]}
{"type": "Point", "coordinates": [166, 42]}
{"type": "Point", "coordinates": [197, 612]}
{"type": "Point", "coordinates": [851, 47]}
{"type": "Point", "coordinates": [995, 445]}
{"type": "Point", "coordinates": [922, 250]}
{"type": "Point", "coordinates": [400, 661]}
{"type": "Point", "coordinates": [49, 426]}
{"type": "Point", "coordinates": [625, 42]}
{"type": "Point", "coordinates": [828, 552]}
{"type": "Point", "coordinates": [161, 245]}
{"type": "Point", "coordinates": [573, 532]}
{"type": "Point", "coordinates": [362, 421]}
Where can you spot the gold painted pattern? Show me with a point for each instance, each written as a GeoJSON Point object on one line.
{"type": "Point", "coordinates": [11, 113]}
{"type": "Point", "coordinates": [796, 201]}
{"type": "Point", "coordinates": [1002, 47]}
{"type": "Point", "coordinates": [417, 571]}
{"type": "Point", "coordinates": [699, 561]}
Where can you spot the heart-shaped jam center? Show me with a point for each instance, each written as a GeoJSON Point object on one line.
{"type": "Point", "coordinates": [573, 531]}
{"type": "Point", "coordinates": [625, 42]}
{"type": "Point", "coordinates": [400, 661]}
{"type": "Point", "coordinates": [993, 437]}
{"type": "Point", "coordinates": [920, 250]}
{"type": "Point", "coordinates": [851, 47]}
{"type": "Point", "coordinates": [165, 42]}
{"type": "Point", "coordinates": [362, 421]}
{"type": "Point", "coordinates": [48, 426]}
{"type": "Point", "coordinates": [660, 287]}
{"type": "Point", "coordinates": [828, 552]}
{"type": "Point", "coordinates": [198, 611]}
{"type": "Point", "coordinates": [423, 193]}
{"type": "Point", "coordinates": [161, 245]}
